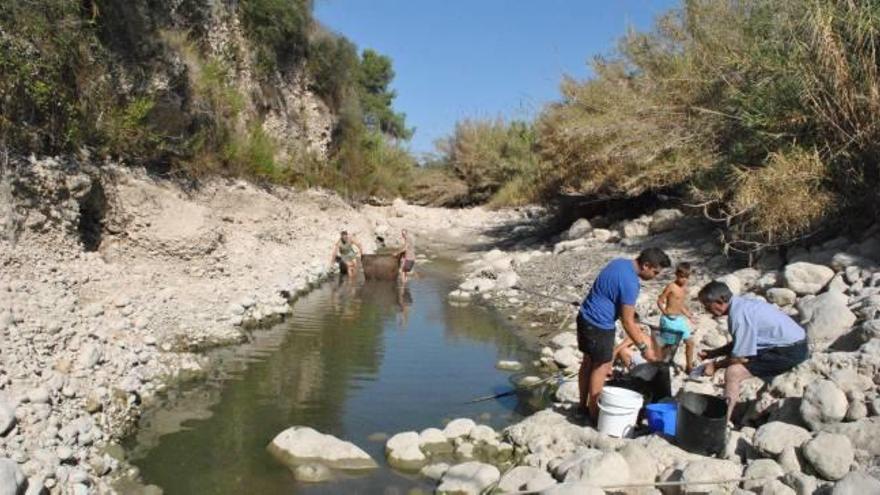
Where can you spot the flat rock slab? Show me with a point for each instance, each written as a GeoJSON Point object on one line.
{"type": "Point", "coordinates": [302, 445]}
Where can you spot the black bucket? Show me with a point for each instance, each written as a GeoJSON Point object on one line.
{"type": "Point", "coordinates": [701, 424]}
{"type": "Point", "coordinates": [652, 380]}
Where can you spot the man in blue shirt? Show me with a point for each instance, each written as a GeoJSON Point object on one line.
{"type": "Point", "coordinates": [766, 341]}
{"type": "Point", "coordinates": [613, 296]}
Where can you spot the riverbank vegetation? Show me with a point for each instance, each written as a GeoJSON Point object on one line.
{"type": "Point", "coordinates": [143, 82]}
{"type": "Point", "coordinates": [764, 114]}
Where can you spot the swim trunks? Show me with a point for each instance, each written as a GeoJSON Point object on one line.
{"type": "Point", "coordinates": [674, 329]}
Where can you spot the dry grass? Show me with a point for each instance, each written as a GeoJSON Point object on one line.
{"type": "Point", "coordinates": [768, 112]}
{"type": "Point", "coordinates": [784, 198]}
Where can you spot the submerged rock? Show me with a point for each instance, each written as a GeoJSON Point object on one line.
{"type": "Point", "coordinates": [312, 473]}
{"type": "Point", "coordinates": [509, 365]}
{"type": "Point", "coordinates": [301, 445]}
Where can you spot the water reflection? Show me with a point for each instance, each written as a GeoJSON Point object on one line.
{"type": "Point", "coordinates": [353, 360]}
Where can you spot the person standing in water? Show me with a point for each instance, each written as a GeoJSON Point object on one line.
{"type": "Point", "coordinates": [406, 256]}
{"type": "Point", "coordinates": [346, 252]}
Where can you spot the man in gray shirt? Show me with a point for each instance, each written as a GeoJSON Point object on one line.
{"type": "Point", "coordinates": [766, 341]}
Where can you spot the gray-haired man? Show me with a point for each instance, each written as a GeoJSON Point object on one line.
{"type": "Point", "coordinates": [766, 341]}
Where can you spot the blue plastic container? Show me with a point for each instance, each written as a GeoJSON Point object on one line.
{"type": "Point", "coordinates": [661, 417]}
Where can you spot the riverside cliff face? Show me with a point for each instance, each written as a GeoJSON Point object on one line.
{"type": "Point", "coordinates": [164, 82]}
{"type": "Point", "coordinates": [201, 43]}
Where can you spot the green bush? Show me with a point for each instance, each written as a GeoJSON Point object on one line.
{"type": "Point", "coordinates": [279, 30]}
{"type": "Point", "coordinates": [252, 154]}
{"type": "Point", "coordinates": [488, 154]}
{"type": "Point", "coordinates": [51, 89]}
{"type": "Point", "coordinates": [333, 64]}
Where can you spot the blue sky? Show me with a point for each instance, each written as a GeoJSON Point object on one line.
{"type": "Point", "coordinates": [457, 59]}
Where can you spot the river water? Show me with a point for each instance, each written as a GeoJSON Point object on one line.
{"type": "Point", "coordinates": [355, 360]}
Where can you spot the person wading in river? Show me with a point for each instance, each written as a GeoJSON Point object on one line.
{"type": "Point", "coordinates": [406, 256]}
{"type": "Point", "coordinates": [612, 297]}
{"type": "Point", "coordinates": [766, 341]}
{"type": "Point", "coordinates": [345, 251]}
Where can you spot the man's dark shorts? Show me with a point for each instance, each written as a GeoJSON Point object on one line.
{"type": "Point", "coordinates": [595, 342]}
{"type": "Point", "coordinates": [408, 265]}
{"type": "Point", "coordinates": [777, 360]}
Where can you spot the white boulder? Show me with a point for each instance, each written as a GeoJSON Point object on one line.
{"type": "Point", "coordinates": [577, 488]}
{"type": "Point", "coordinates": [665, 219]}
{"type": "Point", "coordinates": [806, 278]}
{"type": "Point", "coordinates": [633, 229]}
{"type": "Point", "coordinates": [460, 427]}
{"type": "Point", "coordinates": [12, 479]}
{"type": "Point", "coordinates": [823, 403]}
{"type": "Point", "coordinates": [564, 339]}
{"type": "Point", "coordinates": [568, 392]}
{"type": "Point", "coordinates": [595, 466]}
{"type": "Point", "coordinates": [434, 471]}
{"type": "Point", "coordinates": [567, 357]}
{"type": "Point", "coordinates": [433, 440]}
{"type": "Point", "coordinates": [830, 455]}
{"type": "Point", "coordinates": [604, 235]}
{"type": "Point", "coordinates": [774, 437]}
{"type": "Point", "coordinates": [506, 280]}
{"type": "Point", "coordinates": [826, 317]}
{"type": "Point", "coordinates": [781, 296]}
{"type": "Point", "coordinates": [508, 365]}
{"type": "Point", "coordinates": [759, 470]}
{"type": "Point", "coordinates": [580, 228]}
{"type": "Point", "coordinates": [403, 451]}
{"type": "Point", "coordinates": [301, 445]}
{"type": "Point", "coordinates": [710, 470]}
{"type": "Point", "coordinates": [7, 416]}
{"type": "Point", "coordinates": [856, 483]}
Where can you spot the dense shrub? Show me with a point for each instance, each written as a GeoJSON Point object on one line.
{"type": "Point", "coordinates": [488, 154]}
{"type": "Point", "coordinates": [279, 30]}
{"type": "Point", "coordinates": [767, 111]}
{"type": "Point", "coordinates": [49, 97]}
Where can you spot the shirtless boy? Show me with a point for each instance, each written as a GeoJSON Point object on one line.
{"type": "Point", "coordinates": [674, 321]}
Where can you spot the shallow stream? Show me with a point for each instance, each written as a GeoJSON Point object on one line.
{"type": "Point", "coordinates": [359, 361]}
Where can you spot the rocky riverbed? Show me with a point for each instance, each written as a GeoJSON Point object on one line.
{"type": "Point", "coordinates": [813, 430]}
{"type": "Point", "coordinates": [114, 282]}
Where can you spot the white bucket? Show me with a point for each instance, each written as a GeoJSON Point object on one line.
{"type": "Point", "coordinates": [621, 397]}
{"type": "Point", "coordinates": [618, 411]}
